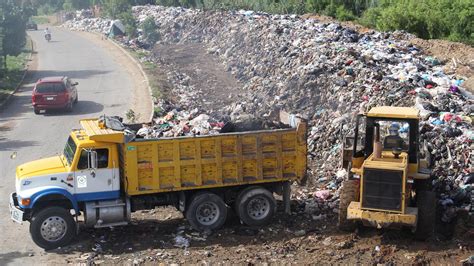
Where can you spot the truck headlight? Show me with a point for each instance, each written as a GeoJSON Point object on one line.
{"type": "Point", "coordinates": [25, 202]}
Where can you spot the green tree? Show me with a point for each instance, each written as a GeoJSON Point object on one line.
{"type": "Point", "coordinates": [2, 37]}
{"type": "Point", "coordinates": [13, 25]}
{"type": "Point", "coordinates": [115, 7]}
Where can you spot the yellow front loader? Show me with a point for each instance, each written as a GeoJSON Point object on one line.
{"type": "Point", "coordinates": [389, 182]}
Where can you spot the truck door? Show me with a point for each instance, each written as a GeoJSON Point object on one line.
{"type": "Point", "coordinates": [95, 175]}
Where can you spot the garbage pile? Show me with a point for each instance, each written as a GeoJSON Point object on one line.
{"type": "Point", "coordinates": [83, 20]}
{"type": "Point", "coordinates": [328, 73]}
{"type": "Point", "coordinates": [84, 23]}
{"type": "Point", "coordinates": [183, 123]}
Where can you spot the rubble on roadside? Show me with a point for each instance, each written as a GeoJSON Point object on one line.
{"type": "Point", "coordinates": [85, 23]}
{"type": "Point", "coordinates": [327, 74]}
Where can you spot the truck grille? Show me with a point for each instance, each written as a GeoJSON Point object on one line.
{"type": "Point", "coordinates": [382, 189]}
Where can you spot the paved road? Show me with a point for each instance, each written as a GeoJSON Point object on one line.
{"type": "Point", "coordinates": [104, 87]}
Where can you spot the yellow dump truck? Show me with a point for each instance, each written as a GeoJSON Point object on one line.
{"type": "Point", "coordinates": [100, 178]}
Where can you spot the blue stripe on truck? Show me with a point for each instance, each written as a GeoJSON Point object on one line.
{"type": "Point", "coordinates": [51, 191]}
{"type": "Point", "coordinates": [97, 195]}
{"type": "Point", "coordinates": [73, 198]}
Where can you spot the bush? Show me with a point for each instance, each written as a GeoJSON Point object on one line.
{"type": "Point", "coordinates": [150, 32]}
{"type": "Point", "coordinates": [370, 17]}
{"type": "Point", "coordinates": [129, 22]}
{"type": "Point", "coordinates": [344, 14]}
{"type": "Point", "coordinates": [330, 10]}
{"type": "Point", "coordinates": [45, 10]}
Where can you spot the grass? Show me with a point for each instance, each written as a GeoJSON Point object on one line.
{"type": "Point", "coordinates": [40, 19]}
{"type": "Point", "coordinates": [11, 77]}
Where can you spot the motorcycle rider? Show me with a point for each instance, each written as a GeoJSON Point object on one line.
{"type": "Point", "coordinates": [46, 33]}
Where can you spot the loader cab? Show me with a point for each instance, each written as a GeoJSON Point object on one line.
{"type": "Point", "coordinates": [396, 128]}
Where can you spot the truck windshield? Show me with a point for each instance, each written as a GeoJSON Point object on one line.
{"type": "Point", "coordinates": [69, 150]}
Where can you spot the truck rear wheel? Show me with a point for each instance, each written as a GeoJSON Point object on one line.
{"type": "Point", "coordinates": [52, 227]}
{"type": "Point", "coordinates": [255, 206]}
{"type": "Point", "coordinates": [426, 204]}
{"type": "Point", "coordinates": [349, 192]}
{"type": "Point", "coordinates": [207, 211]}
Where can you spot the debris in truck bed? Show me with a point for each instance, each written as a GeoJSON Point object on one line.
{"type": "Point", "coordinates": [184, 123]}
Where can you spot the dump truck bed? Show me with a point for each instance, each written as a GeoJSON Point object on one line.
{"type": "Point", "coordinates": [185, 163]}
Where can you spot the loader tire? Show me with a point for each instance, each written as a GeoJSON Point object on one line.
{"type": "Point", "coordinates": [349, 192]}
{"type": "Point", "coordinates": [423, 185]}
{"type": "Point", "coordinates": [426, 204]}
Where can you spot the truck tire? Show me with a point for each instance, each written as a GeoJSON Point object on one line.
{"type": "Point", "coordinates": [52, 227]}
{"type": "Point", "coordinates": [36, 110]}
{"type": "Point", "coordinates": [207, 211]}
{"type": "Point", "coordinates": [349, 192]}
{"type": "Point", "coordinates": [426, 204]}
{"type": "Point", "coordinates": [255, 206]}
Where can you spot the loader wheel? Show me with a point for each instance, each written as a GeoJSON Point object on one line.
{"type": "Point", "coordinates": [52, 227]}
{"type": "Point", "coordinates": [255, 206]}
{"type": "Point", "coordinates": [349, 192]}
{"type": "Point", "coordinates": [207, 211]}
{"type": "Point", "coordinates": [423, 184]}
{"type": "Point", "coordinates": [426, 204]}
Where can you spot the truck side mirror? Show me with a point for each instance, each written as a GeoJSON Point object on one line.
{"type": "Point", "coordinates": [93, 162]}
{"type": "Point", "coordinates": [75, 83]}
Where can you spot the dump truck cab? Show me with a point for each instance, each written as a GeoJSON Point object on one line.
{"type": "Point", "coordinates": [93, 158]}
{"type": "Point", "coordinates": [87, 169]}
{"type": "Point", "coordinates": [387, 173]}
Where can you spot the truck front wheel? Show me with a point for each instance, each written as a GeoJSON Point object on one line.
{"type": "Point", "coordinates": [255, 206]}
{"type": "Point", "coordinates": [207, 211]}
{"type": "Point", "coordinates": [52, 227]}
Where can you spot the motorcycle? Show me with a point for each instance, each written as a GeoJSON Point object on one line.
{"type": "Point", "coordinates": [48, 37]}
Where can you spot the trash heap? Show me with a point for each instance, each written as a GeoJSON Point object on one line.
{"type": "Point", "coordinates": [83, 20]}
{"type": "Point", "coordinates": [80, 23]}
{"type": "Point", "coordinates": [183, 123]}
{"type": "Point", "coordinates": [327, 74]}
